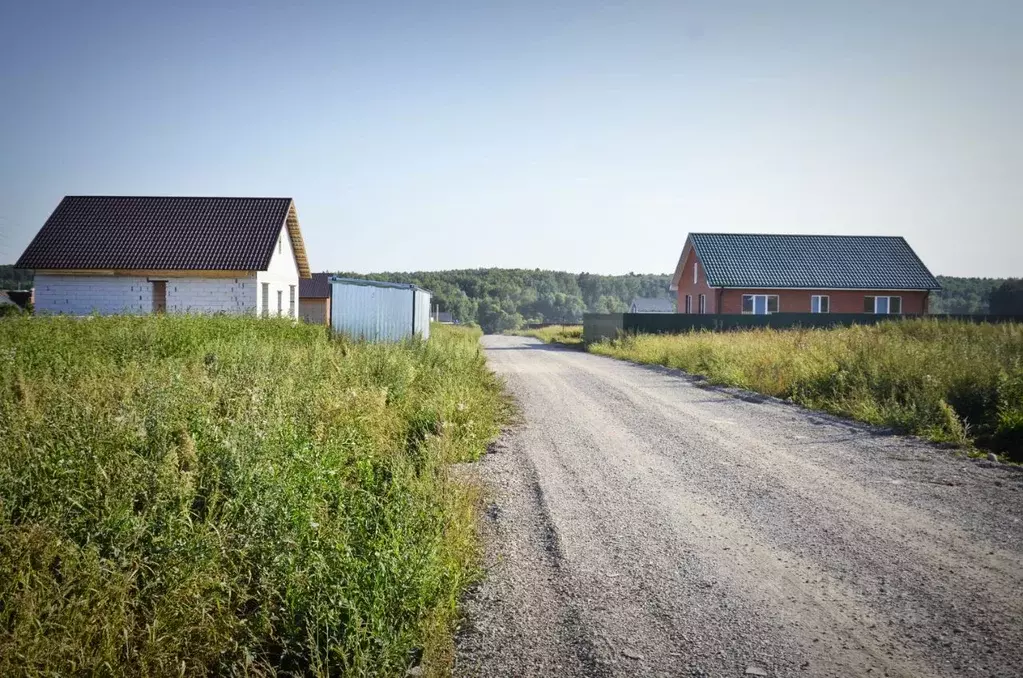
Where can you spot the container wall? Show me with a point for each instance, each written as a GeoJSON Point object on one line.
{"type": "Point", "coordinates": [371, 313]}
{"type": "Point", "coordinates": [423, 304]}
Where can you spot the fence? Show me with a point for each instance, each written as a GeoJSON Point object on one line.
{"type": "Point", "coordinates": [599, 326]}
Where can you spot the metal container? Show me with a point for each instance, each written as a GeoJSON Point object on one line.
{"type": "Point", "coordinates": [379, 311]}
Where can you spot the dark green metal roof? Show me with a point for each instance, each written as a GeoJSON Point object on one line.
{"type": "Point", "coordinates": [811, 262]}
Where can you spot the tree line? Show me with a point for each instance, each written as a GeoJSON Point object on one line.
{"type": "Point", "coordinates": [500, 299]}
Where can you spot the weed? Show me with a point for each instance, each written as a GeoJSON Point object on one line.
{"type": "Point", "coordinates": [569, 335]}
{"type": "Point", "coordinates": [212, 495]}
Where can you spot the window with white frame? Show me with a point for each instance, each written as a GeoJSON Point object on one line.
{"type": "Point", "coordinates": [760, 304]}
{"type": "Point", "coordinates": [689, 303]}
{"type": "Point", "coordinates": [280, 305]}
{"type": "Point", "coordinates": [882, 305]}
{"type": "Point", "coordinates": [291, 301]}
{"type": "Point", "coordinates": [696, 271]}
{"type": "Point", "coordinates": [820, 303]}
{"type": "Point", "coordinates": [266, 299]}
{"type": "Point", "coordinates": [703, 304]}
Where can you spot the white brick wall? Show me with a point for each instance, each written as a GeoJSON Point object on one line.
{"type": "Point", "coordinates": [281, 276]}
{"type": "Point", "coordinates": [82, 295]}
{"type": "Point", "coordinates": [211, 295]}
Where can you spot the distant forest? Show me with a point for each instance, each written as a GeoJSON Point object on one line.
{"type": "Point", "coordinates": [506, 298]}
{"type": "Point", "coordinates": [499, 298]}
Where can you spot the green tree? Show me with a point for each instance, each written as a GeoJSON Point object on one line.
{"type": "Point", "coordinates": [1007, 298]}
{"type": "Point", "coordinates": [962, 295]}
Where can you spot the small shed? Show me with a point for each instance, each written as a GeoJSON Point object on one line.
{"type": "Point", "coordinates": [379, 311]}
{"type": "Point", "coordinates": [651, 305]}
{"type": "Point", "coordinates": [314, 299]}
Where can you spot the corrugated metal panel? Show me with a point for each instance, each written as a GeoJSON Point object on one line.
{"type": "Point", "coordinates": [370, 312]}
{"type": "Point", "coordinates": [422, 322]}
{"type": "Point", "coordinates": [377, 311]}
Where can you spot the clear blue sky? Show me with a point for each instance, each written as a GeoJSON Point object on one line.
{"type": "Point", "coordinates": [579, 135]}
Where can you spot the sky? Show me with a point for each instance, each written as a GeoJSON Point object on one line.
{"type": "Point", "coordinates": [581, 135]}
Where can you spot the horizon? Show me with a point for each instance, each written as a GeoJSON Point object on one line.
{"type": "Point", "coordinates": [531, 269]}
{"type": "Point", "coordinates": [560, 136]}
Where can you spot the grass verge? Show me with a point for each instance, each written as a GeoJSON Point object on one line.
{"type": "Point", "coordinates": [568, 335]}
{"type": "Point", "coordinates": [196, 496]}
{"type": "Point", "coordinates": [947, 381]}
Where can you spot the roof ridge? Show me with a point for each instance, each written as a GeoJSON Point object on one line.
{"type": "Point", "coordinates": [181, 197]}
{"type": "Point", "coordinates": [796, 235]}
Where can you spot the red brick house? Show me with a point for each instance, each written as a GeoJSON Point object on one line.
{"type": "Point", "coordinates": [762, 274]}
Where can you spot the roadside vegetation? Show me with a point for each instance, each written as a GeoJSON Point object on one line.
{"type": "Point", "coordinates": [568, 335]}
{"type": "Point", "coordinates": [947, 381]}
{"type": "Point", "coordinates": [229, 496]}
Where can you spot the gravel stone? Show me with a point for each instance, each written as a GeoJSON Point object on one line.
{"type": "Point", "coordinates": [709, 532]}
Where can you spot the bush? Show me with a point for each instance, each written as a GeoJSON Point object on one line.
{"type": "Point", "coordinates": [232, 495]}
{"type": "Point", "coordinates": [949, 381]}
{"type": "Point", "coordinates": [7, 310]}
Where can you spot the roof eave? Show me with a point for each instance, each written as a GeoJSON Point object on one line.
{"type": "Point", "coordinates": [826, 287]}
{"type": "Point", "coordinates": [297, 244]}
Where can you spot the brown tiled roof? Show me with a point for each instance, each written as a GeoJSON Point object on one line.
{"type": "Point", "coordinates": [164, 233]}
{"type": "Point", "coordinates": [316, 287]}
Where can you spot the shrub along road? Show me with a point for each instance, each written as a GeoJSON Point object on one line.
{"type": "Point", "coordinates": [643, 525]}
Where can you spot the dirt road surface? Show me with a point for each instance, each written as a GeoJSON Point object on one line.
{"type": "Point", "coordinates": [641, 524]}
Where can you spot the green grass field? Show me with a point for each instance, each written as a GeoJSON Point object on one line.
{"type": "Point", "coordinates": [569, 335]}
{"type": "Point", "coordinates": [947, 381]}
{"type": "Point", "coordinates": [229, 496]}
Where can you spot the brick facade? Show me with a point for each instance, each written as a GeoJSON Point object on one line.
{"type": "Point", "coordinates": [315, 310]}
{"type": "Point", "coordinates": [789, 300]}
{"type": "Point", "coordinates": [687, 286]}
{"type": "Point", "coordinates": [841, 301]}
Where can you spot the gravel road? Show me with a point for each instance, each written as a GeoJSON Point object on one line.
{"type": "Point", "coordinates": [641, 524]}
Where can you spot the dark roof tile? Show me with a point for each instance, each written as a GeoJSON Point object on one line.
{"type": "Point", "coordinates": [811, 262]}
{"type": "Point", "coordinates": [317, 287]}
{"type": "Point", "coordinates": [172, 233]}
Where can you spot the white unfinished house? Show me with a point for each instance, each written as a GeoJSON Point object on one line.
{"type": "Point", "coordinates": [107, 255]}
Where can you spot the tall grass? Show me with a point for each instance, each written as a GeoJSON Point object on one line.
{"type": "Point", "coordinates": [570, 335]}
{"type": "Point", "coordinates": [948, 381]}
{"type": "Point", "coordinates": [199, 496]}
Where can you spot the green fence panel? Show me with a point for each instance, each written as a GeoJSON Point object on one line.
{"type": "Point", "coordinates": [600, 326]}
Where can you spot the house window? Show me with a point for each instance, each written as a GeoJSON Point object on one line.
{"type": "Point", "coordinates": [703, 304]}
{"type": "Point", "coordinates": [291, 301]}
{"type": "Point", "coordinates": [280, 306]}
{"type": "Point", "coordinates": [266, 299]}
{"type": "Point", "coordinates": [760, 304]}
{"type": "Point", "coordinates": [689, 303]}
{"type": "Point", "coordinates": [696, 271]}
{"type": "Point", "coordinates": [883, 305]}
{"type": "Point", "coordinates": [280, 244]}
{"type": "Point", "coordinates": [820, 303]}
